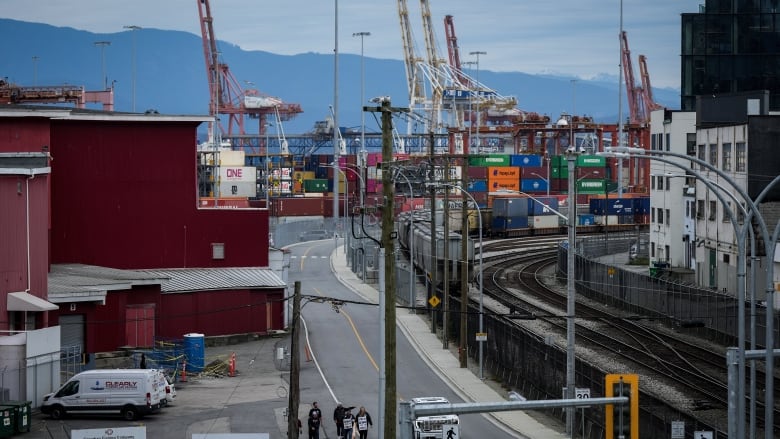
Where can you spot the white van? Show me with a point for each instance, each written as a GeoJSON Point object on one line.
{"type": "Point", "coordinates": [432, 426]}
{"type": "Point", "coordinates": [132, 393]}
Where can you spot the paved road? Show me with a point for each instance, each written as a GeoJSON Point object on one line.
{"type": "Point", "coordinates": [341, 365]}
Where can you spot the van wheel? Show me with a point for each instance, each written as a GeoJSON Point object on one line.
{"type": "Point", "coordinates": [130, 413]}
{"type": "Point", "coordinates": [57, 412]}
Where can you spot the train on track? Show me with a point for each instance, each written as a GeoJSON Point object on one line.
{"type": "Point", "coordinates": [413, 229]}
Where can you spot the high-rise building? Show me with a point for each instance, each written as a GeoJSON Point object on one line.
{"type": "Point", "coordinates": [731, 46]}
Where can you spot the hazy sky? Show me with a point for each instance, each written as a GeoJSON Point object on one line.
{"type": "Point", "coordinates": [564, 37]}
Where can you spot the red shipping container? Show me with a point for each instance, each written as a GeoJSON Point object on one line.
{"type": "Point", "coordinates": [371, 186]}
{"type": "Point", "coordinates": [480, 197]}
{"type": "Point", "coordinates": [590, 173]}
{"type": "Point", "coordinates": [224, 202]}
{"type": "Point", "coordinates": [477, 172]}
{"type": "Point", "coordinates": [293, 206]}
{"type": "Point", "coordinates": [401, 157]}
{"type": "Point", "coordinates": [535, 171]}
{"type": "Point", "coordinates": [559, 185]}
{"type": "Point", "coordinates": [373, 158]}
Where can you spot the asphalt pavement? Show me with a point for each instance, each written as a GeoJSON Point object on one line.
{"type": "Point", "coordinates": [253, 399]}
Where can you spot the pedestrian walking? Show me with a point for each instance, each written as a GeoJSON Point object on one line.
{"type": "Point", "coordinates": [338, 418]}
{"type": "Point", "coordinates": [363, 420]}
{"type": "Point", "coordinates": [314, 426]}
{"type": "Point", "coordinates": [315, 410]}
{"type": "Point", "coordinates": [349, 423]}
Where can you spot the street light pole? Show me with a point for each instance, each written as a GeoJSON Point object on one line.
{"type": "Point", "coordinates": [267, 167]}
{"type": "Point", "coordinates": [363, 152]}
{"type": "Point", "coordinates": [133, 28]}
{"type": "Point", "coordinates": [102, 45]}
{"type": "Point", "coordinates": [571, 159]}
{"type": "Point", "coordinates": [336, 133]}
{"type": "Point", "coordinates": [479, 93]}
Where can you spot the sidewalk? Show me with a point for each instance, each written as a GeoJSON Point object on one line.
{"type": "Point", "coordinates": [461, 380]}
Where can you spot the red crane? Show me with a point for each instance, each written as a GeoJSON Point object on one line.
{"type": "Point", "coordinates": [452, 49]}
{"type": "Point", "coordinates": [647, 89]}
{"type": "Point", "coordinates": [633, 93]}
{"type": "Point", "coordinates": [225, 93]}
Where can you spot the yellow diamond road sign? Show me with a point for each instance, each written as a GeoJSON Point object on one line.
{"type": "Point", "coordinates": [434, 301]}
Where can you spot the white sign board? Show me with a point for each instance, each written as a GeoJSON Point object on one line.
{"type": "Point", "coordinates": [678, 429]}
{"type": "Point", "coordinates": [449, 431]}
{"type": "Point", "coordinates": [110, 433]}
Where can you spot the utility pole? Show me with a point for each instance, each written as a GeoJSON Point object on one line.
{"type": "Point", "coordinates": [295, 367]}
{"type": "Point", "coordinates": [445, 327]}
{"type": "Point", "coordinates": [464, 270]}
{"type": "Point", "coordinates": [387, 379]}
{"type": "Point", "coordinates": [432, 178]}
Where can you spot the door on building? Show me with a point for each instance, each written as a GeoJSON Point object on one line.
{"type": "Point", "coordinates": [71, 345]}
{"type": "Point", "coordinates": [139, 325]}
{"type": "Point", "coordinates": [713, 268]}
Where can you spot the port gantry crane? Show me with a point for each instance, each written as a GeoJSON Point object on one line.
{"type": "Point", "coordinates": [640, 97]}
{"type": "Point", "coordinates": [227, 97]}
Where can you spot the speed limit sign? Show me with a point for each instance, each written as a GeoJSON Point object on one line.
{"type": "Point", "coordinates": [582, 394]}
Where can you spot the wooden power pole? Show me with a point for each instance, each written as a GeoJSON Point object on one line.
{"type": "Point", "coordinates": [295, 367]}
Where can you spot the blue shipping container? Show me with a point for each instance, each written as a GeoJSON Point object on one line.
{"type": "Point", "coordinates": [477, 186]}
{"type": "Point", "coordinates": [543, 206]}
{"type": "Point", "coordinates": [533, 185]}
{"type": "Point", "coordinates": [510, 207]}
{"type": "Point", "coordinates": [586, 220]}
{"type": "Point", "coordinates": [620, 206]}
{"type": "Point", "coordinates": [510, 223]}
{"type": "Point", "coordinates": [642, 205]}
{"type": "Point", "coordinates": [525, 160]}
{"type": "Point", "coordinates": [596, 206]}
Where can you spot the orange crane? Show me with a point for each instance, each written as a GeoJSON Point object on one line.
{"type": "Point", "coordinates": [453, 50]}
{"type": "Point", "coordinates": [226, 95]}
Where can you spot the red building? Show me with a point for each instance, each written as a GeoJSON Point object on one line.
{"type": "Point", "coordinates": [117, 223]}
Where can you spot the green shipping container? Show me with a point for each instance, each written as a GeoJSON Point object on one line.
{"type": "Point", "coordinates": [591, 161]}
{"type": "Point", "coordinates": [489, 160]}
{"type": "Point", "coordinates": [560, 171]}
{"type": "Point", "coordinates": [591, 186]}
{"type": "Point", "coordinates": [557, 161]}
{"type": "Point", "coordinates": [315, 185]}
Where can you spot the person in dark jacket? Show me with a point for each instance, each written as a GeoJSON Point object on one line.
{"type": "Point", "coordinates": [363, 421]}
{"type": "Point", "coordinates": [349, 423]}
{"type": "Point", "coordinates": [315, 418]}
{"type": "Point", "coordinates": [338, 418]}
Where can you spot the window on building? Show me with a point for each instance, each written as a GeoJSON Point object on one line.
{"type": "Point", "coordinates": [690, 143]}
{"type": "Point", "coordinates": [701, 154]}
{"type": "Point", "coordinates": [714, 154]}
{"type": "Point", "coordinates": [652, 249]}
{"type": "Point", "coordinates": [666, 248]}
{"type": "Point", "coordinates": [654, 142]}
{"type": "Point", "coordinates": [727, 157]}
{"type": "Point", "coordinates": [726, 258]}
{"type": "Point", "coordinates": [668, 216]}
{"type": "Point", "coordinates": [668, 140]}
{"type": "Point", "coordinates": [699, 209]}
{"type": "Point", "coordinates": [668, 183]}
{"type": "Point", "coordinates": [726, 212]}
{"type": "Point", "coordinates": [652, 182]}
{"type": "Point", "coordinates": [741, 163]}
{"type": "Point", "coordinates": [660, 183]}
{"type": "Point", "coordinates": [652, 214]}
{"type": "Point", "coordinates": [660, 216]}
{"type": "Point", "coordinates": [713, 210]}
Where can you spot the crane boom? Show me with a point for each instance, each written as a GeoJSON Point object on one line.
{"type": "Point", "coordinates": [225, 93]}
{"type": "Point", "coordinates": [414, 78]}
{"type": "Point", "coordinates": [632, 92]}
{"type": "Point", "coordinates": [452, 48]}
{"type": "Point", "coordinates": [647, 89]}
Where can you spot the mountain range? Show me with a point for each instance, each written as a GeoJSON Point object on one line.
{"type": "Point", "coordinates": [166, 71]}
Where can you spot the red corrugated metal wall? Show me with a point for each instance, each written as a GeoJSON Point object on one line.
{"type": "Point", "coordinates": [124, 196]}
{"type": "Point", "coordinates": [14, 192]}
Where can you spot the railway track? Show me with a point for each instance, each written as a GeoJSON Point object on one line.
{"type": "Point", "coordinates": [520, 281]}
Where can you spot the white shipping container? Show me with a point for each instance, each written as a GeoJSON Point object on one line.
{"type": "Point", "coordinates": [237, 174]}
{"type": "Point", "coordinates": [455, 174]}
{"type": "Point", "coordinates": [231, 158]}
{"type": "Point", "coordinates": [544, 221]}
{"type": "Point", "coordinates": [237, 189]}
{"type": "Point", "coordinates": [282, 173]}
